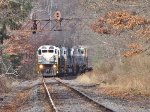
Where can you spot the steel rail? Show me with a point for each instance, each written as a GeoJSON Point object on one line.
{"type": "Point", "coordinates": [49, 95]}
{"type": "Point", "coordinates": [103, 108]}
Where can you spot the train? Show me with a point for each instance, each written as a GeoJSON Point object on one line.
{"type": "Point", "coordinates": [59, 60]}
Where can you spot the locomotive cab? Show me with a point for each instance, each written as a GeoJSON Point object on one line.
{"type": "Point", "coordinates": [80, 59]}
{"type": "Point", "coordinates": [48, 60]}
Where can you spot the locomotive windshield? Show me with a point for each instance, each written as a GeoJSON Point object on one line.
{"type": "Point", "coordinates": [47, 51]}
{"type": "Point", "coordinates": [82, 51]}
{"type": "Point", "coordinates": [50, 51]}
{"type": "Point", "coordinates": [44, 51]}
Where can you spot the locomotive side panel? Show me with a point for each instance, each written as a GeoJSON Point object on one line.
{"type": "Point", "coordinates": [63, 59]}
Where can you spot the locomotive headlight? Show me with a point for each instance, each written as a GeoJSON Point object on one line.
{"type": "Point", "coordinates": [54, 66]}
{"type": "Point", "coordinates": [41, 66]}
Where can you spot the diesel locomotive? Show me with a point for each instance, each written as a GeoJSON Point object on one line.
{"type": "Point", "coordinates": [53, 60]}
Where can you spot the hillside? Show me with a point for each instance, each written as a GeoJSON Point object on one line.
{"type": "Point", "coordinates": [118, 35]}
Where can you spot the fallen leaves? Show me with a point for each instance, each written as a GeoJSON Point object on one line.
{"type": "Point", "coordinates": [117, 20]}
{"type": "Point", "coordinates": [134, 50]}
{"type": "Point", "coordinates": [20, 98]}
{"type": "Point", "coordinates": [131, 53]}
{"type": "Point", "coordinates": [123, 20]}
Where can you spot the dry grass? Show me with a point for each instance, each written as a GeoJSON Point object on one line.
{"type": "Point", "coordinates": [20, 99]}
{"type": "Point", "coordinates": [89, 78]}
{"type": "Point", "coordinates": [133, 83]}
{"type": "Point", "coordinates": [131, 76]}
{"type": "Point", "coordinates": [4, 84]}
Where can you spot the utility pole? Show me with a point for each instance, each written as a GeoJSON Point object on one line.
{"type": "Point", "coordinates": [50, 11]}
{"type": "Point", "coordinates": [47, 3]}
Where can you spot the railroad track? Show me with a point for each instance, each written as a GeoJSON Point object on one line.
{"type": "Point", "coordinates": [49, 96]}
{"type": "Point", "coordinates": [64, 98]}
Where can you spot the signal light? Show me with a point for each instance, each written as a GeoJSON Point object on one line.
{"type": "Point", "coordinates": [34, 27]}
{"type": "Point", "coordinates": [1, 38]}
{"type": "Point", "coordinates": [57, 15]}
{"type": "Point", "coordinates": [2, 32]}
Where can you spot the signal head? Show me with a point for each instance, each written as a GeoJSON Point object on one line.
{"type": "Point", "coordinates": [57, 15]}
